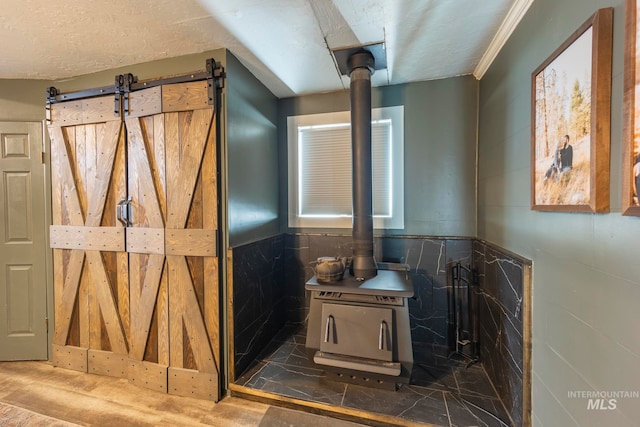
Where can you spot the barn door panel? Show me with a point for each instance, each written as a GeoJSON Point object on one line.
{"type": "Point", "coordinates": [90, 263]}
{"type": "Point", "coordinates": [145, 244]}
{"type": "Point", "coordinates": [172, 239]}
{"type": "Point", "coordinates": [191, 245]}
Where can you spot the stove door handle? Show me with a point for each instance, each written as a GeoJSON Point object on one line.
{"type": "Point", "coordinates": [383, 329]}
{"type": "Point", "coordinates": [327, 328]}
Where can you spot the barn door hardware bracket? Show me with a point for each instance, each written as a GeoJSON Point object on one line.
{"type": "Point", "coordinates": [52, 92]}
{"type": "Point", "coordinates": [118, 94]}
{"type": "Point", "coordinates": [215, 78]}
{"type": "Point", "coordinates": [122, 89]}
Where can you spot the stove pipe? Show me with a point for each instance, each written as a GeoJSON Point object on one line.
{"type": "Point", "coordinates": [361, 66]}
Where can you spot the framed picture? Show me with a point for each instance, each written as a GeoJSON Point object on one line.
{"type": "Point", "coordinates": [631, 126]}
{"type": "Point", "coordinates": [570, 126]}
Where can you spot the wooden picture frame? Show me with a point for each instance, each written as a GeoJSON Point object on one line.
{"type": "Point", "coordinates": [631, 115]}
{"type": "Point", "coordinates": [571, 121]}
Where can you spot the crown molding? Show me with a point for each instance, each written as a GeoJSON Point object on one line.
{"type": "Point", "coordinates": [511, 21]}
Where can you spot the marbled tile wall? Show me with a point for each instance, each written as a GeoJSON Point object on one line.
{"type": "Point", "coordinates": [500, 299]}
{"type": "Point", "coordinates": [259, 297]}
{"type": "Point", "coordinates": [428, 258]}
{"type": "Point", "coordinates": [269, 277]}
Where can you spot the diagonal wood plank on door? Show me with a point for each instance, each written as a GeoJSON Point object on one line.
{"type": "Point", "coordinates": [190, 318]}
{"type": "Point", "coordinates": [106, 302]}
{"type": "Point", "coordinates": [187, 134]}
{"type": "Point", "coordinates": [144, 293]}
{"type": "Point", "coordinates": [107, 141]}
{"type": "Point", "coordinates": [69, 183]}
{"type": "Point", "coordinates": [149, 191]}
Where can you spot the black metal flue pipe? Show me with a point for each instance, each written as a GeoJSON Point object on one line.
{"type": "Point", "coordinates": [361, 67]}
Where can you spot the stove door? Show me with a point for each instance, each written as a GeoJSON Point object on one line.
{"type": "Point", "coordinates": [358, 331]}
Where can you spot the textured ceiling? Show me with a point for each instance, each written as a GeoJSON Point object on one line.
{"type": "Point", "coordinates": [285, 43]}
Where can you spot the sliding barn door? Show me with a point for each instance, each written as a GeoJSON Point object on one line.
{"type": "Point", "coordinates": [171, 240]}
{"type": "Point", "coordinates": [134, 237]}
{"type": "Point", "coordinates": [90, 264]}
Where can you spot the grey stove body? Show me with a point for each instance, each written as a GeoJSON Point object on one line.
{"type": "Point", "coordinates": [359, 332]}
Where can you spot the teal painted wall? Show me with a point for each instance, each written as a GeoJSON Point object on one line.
{"type": "Point", "coordinates": [252, 153]}
{"type": "Point", "coordinates": [440, 151]}
{"type": "Point", "coordinates": [586, 274]}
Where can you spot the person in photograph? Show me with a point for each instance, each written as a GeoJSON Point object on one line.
{"type": "Point", "coordinates": [566, 156]}
{"type": "Point", "coordinates": [554, 170]}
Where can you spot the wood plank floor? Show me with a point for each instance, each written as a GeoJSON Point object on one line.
{"type": "Point", "coordinates": [92, 400]}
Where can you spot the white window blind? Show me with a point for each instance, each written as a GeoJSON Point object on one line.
{"type": "Point", "coordinates": [382, 159]}
{"type": "Point", "coordinates": [320, 189]}
{"type": "Point", "coordinates": [325, 169]}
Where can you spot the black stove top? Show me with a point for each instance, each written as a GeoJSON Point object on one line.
{"type": "Point", "coordinates": [389, 283]}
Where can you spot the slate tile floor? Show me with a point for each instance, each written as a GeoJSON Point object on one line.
{"type": "Point", "coordinates": [443, 391]}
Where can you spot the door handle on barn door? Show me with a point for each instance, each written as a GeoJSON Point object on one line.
{"type": "Point", "coordinates": [119, 211]}
{"type": "Point", "coordinates": [123, 212]}
{"type": "Point", "coordinates": [126, 212]}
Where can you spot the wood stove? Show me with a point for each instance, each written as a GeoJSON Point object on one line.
{"type": "Point", "coordinates": [358, 329]}
{"type": "Point", "coordinates": [359, 332]}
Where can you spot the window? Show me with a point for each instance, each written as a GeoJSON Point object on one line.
{"type": "Point", "coordinates": [320, 169]}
